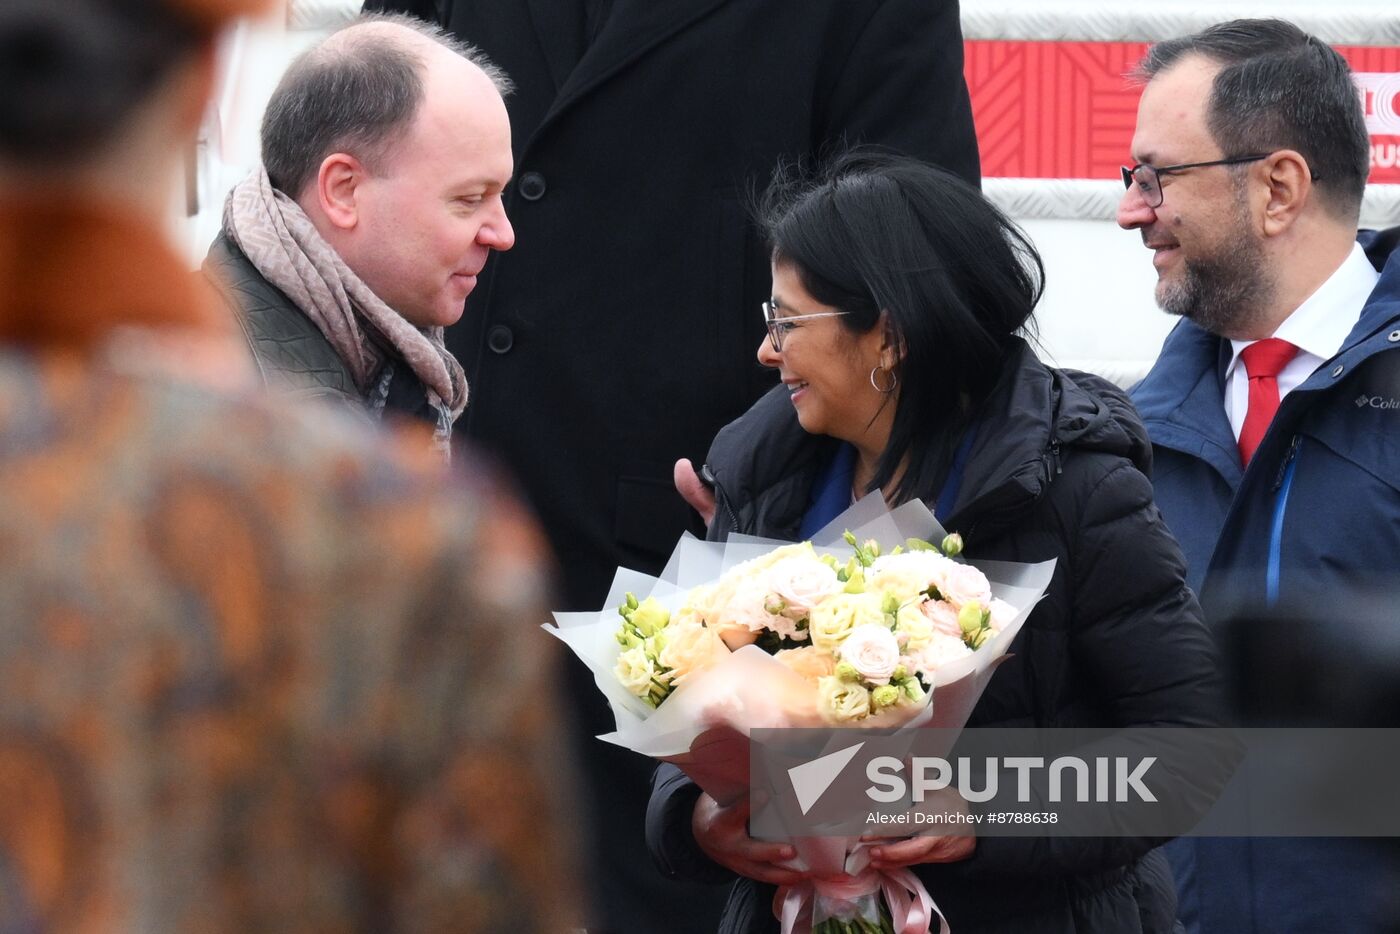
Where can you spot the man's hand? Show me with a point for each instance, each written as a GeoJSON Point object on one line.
{"type": "Point", "coordinates": [922, 849]}
{"type": "Point", "coordinates": [926, 849]}
{"type": "Point", "coordinates": [700, 497]}
{"type": "Point", "coordinates": [723, 834]}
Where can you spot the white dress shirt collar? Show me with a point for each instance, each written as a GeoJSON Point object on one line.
{"type": "Point", "coordinates": [1318, 327]}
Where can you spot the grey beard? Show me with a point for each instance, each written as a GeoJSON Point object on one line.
{"type": "Point", "coordinates": [1226, 295]}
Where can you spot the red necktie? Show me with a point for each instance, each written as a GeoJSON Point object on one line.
{"type": "Point", "coordinates": [1263, 361]}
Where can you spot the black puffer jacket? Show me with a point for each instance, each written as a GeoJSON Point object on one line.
{"type": "Point", "coordinates": [1058, 471]}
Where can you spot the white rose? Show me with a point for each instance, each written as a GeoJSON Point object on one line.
{"type": "Point", "coordinates": [635, 669]}
{"type": "Point", "coordinates": [940, 650]}
{"type": "Point", "coordinates": [842, 702]}
{"type": "Point", "coordinates": [800, 583]}
{"type": "Point", "coordinates": [873, 651]}
{"type": "Point", "coordinates": [908, 574]}
{"type": "Point", "coordinates": [690, 648]}
{"type": "Point", "coordinates": [832, 620]}
{"type": "Point", "coordinates": [749, 606]}
{"type": "Point", "coordinates": [916, 628]}
{"type": "Point", "coordinates": [742, 615]}
{"type": "Point", "coordinates": [964, 584]}
{"type": "Point", "coordinates": [943, 617]}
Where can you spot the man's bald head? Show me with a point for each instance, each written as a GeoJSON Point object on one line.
{"type": "Point", "coordinates": [358, 92]}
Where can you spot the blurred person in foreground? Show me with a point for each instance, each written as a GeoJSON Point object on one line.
{"type": "Point", "coordinates": [260, 670]}
{"type": "Point", "coordinates": [899, 295]}
{"type": "Point", "coordinates": [1273, 414]}
{"type": "Point", "coordinates": [385, 150]}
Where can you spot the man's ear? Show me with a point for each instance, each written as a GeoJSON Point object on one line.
{"type": "Point", "coordinates": [1289, 181]}
{"type": "Point", "coordinates": [337, 192]}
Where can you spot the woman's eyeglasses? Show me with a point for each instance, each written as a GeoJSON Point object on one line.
{"type": "Point", "coordinates": [777, 327]}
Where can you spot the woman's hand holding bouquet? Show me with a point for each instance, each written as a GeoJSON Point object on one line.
{"type": "Point", "coordinates": [757, 634]}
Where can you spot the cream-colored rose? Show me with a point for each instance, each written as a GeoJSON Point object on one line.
{"type": "Point", "coordinates": [840, 702]}
{"type": "Point", "coordinates": [943, 617]}
{"type": "Point", "coordinates": [723, 590]}
{"type": "Point", "coordinates": [834, 618]}
{"type": "Point", "coordinates": [940, 650]}
{"type": "Point", "coordinates": [635, 670]}
{"type": "Point", "coordinates": [736, 637]}
{"type": "Point", "coordinates": [742, 615]}
{"type": "Point", "coordinates": [874, 652]}
{"type": "Point", "coordinates": [706, 601]}
{"type": "Point", "coordinates": [809, 661]}
{"type": "Point", "coordinates": [965, 584]}
{"type": "Point", "coordinates": [914, 626]}
{"type": "Point", "coordinates": [908, 574]}
{"type": "Point", "coordinates": [690, 648]}
{"type": "Point", "coordinates": [800, 583]}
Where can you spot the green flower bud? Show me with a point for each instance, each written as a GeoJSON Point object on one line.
{"type": "Point", "coordinates": [970, 618]}
{"type": "Point", "coordinates": [899, 675]}
{"type": "Point", "coordinates": [912, 689]}
{"type": "Point", "coordinates": [918, 544]}
{"type": "Point", "coordinates": [631, 600]}
{"type": "Point", "coordinates": [847, 672]}
{"type": "Point", "coordinates": [890, 606]}
{"type": "Point", "coordinates": [849, 538]}
{"type": "Point", "coordinates": [650, 616]}
{"type": "Point", "coordinates": [855, 577]}
{"type": "Point", "coordinates": [953, 545]}
{"type": "Point", "coordinates": [886, 695]}
{"type": "Point", "coordinates": [872, 548]}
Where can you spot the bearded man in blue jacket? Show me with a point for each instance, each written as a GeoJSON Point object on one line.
{"type": "Point", "coordinates": [1274, 407]}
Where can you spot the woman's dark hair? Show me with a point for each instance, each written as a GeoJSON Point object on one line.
{"type": "Point", "coordinates": [870, 232]}
{"type": "Point", "coordinates": [72, 71]}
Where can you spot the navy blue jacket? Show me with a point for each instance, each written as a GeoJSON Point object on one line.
{"type": "Point", "coordinates": [1309, 533]}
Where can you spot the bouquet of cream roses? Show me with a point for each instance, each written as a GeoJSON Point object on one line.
{"type": "Point", "coordinates": [870, 634]}
{"type": "Point", "coordinates": [835, 631]}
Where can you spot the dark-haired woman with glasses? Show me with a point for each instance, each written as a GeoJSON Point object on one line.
{"type": "Point", "coordinates": [899, 298]}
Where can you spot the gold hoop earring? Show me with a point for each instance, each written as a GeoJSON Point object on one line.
{"type": "Point", "coordinates": [883, 390]}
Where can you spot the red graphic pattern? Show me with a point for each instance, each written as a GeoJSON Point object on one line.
{"type": "Point", "coordinates": [1067, 110]}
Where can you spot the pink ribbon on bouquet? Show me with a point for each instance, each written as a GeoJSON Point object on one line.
{"type": "Point", "coordinates": [911, 907]}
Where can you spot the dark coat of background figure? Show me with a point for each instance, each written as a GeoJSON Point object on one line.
{"type": "Point", "coordinates": [1058, 471]}
{"type": "Point", "coordinates": [619, 333]}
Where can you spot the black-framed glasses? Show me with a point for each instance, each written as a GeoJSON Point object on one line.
{"type": "Point", "coordinates": [777, 327]}
{"type": "Point", "coordinates": [1148, 178]}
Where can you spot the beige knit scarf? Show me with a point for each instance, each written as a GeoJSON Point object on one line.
{"type": "Point", "coordinates": [279, 239]}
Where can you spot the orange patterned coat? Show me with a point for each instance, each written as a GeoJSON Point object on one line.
{"type": "Point", "coordinates": [260, 670]}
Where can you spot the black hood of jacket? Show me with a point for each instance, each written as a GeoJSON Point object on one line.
{"type": "Point", "coordinates": [763, 464]}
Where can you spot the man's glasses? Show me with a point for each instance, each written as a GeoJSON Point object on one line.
{"type": "Point", "coordinates": [1149, 178]}
{"type": "Point", "coordinates": [777, 327]}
